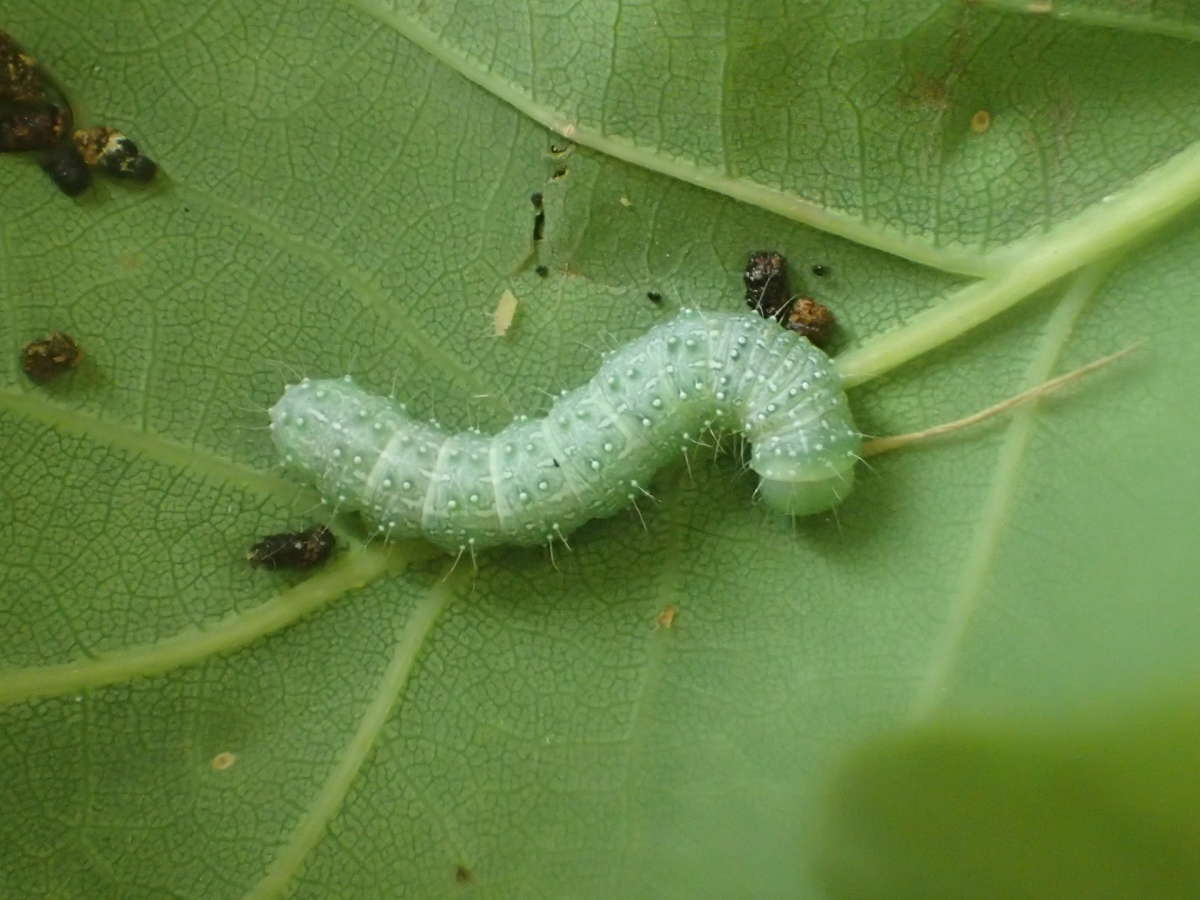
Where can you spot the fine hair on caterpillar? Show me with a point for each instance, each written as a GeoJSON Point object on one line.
{"type": "Point", "coordinates": [594, 452]}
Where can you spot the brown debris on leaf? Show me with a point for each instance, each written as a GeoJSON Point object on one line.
{"type": "Point", "coordinates": [767, 290]}
{"type": "Point", "coordinates": [812, 319]}
{"type": "Point", "coordinates": [109, 149]}
{"type": "Point", "coordinates": [293, 550]}
{"type": "Point", "coordinates": [666, 618]}
{"type": "Point", "coordinates": [32, 126]}
{"type": "Point", "coordinates": [50, 357]}
{"type": "Point", "coordinates": [35, 115]}
{"type": "Point", "coordinates": [20, 78]}
{"type": "Point", "coordinates": [67, 169]}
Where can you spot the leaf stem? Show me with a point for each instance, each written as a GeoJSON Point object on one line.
{"type": "Point", "coordinates": [1094, 235]}
{"type": "Point", "coordinates": [1079, 14]}
{"type": "Point", "coordinates": [894, 442]}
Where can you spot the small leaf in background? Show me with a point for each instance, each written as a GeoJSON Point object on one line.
{"type": "Point", "coordinates": [1006, 810]}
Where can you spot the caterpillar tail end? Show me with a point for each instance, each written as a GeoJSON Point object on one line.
{"type": "Point", "coordinates": [807, 497]}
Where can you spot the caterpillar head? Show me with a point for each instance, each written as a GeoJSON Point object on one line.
{"type": "Point", "coordinates": [806, 487]}
{"type": "Point", "coordinates": [806, 498]}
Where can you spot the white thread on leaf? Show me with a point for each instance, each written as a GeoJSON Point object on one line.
{"type": "Point", "coordinates": [539, 479]}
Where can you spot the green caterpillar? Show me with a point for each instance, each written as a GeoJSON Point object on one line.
{"type": "Point", "coordinates": [539, 479]}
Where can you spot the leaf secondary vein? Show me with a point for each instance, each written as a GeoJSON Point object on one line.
{"type": "Point", "coordinates": [146, 445]}
{"type": "Point", "coordinates": [353, 570]}
{"type": "Point", "coordinates": [950, 257]}
{"type": "Point", "coordinates": [989, 531]}
{"type": "Point", "coordinates": [311, 827]}
{"type": "Point", "coordinates": [1008, 275]}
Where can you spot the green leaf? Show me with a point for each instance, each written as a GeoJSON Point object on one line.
{"type": "Point", "coordinates": [346, 187]}
{"type": "Point", "coordinates": [1085, 808]}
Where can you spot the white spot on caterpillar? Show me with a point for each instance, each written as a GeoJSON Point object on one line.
{"type": "Point", "coordinates": [540, 479]}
